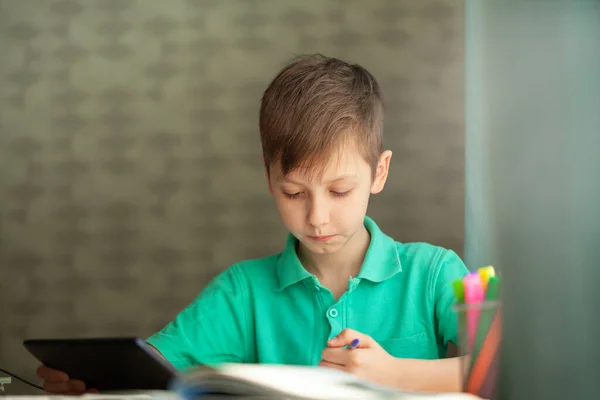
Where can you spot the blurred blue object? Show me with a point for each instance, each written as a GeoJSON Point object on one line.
{"type": "Point", "coordinates": [533, 186]}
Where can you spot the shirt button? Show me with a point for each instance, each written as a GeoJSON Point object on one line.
{"type": "Point", "coordinates": [333, 313]}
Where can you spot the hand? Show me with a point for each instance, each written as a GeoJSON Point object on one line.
{"type": "Point", "coordinates": [368, 361]}
{"type": "Point", "coordinates": [58, 382]}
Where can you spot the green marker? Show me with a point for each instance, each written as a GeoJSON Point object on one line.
{"type": "Point", "coordinates": [459, 290]}
{"type": "Point", "coordinates": [459, 294]}
{"type": "Point", "coordinates": [493, 290]}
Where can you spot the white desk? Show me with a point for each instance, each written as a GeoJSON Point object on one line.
{"type": "Point", "coordinates": [173, 396]}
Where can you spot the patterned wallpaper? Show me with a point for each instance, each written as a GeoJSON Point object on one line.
{"type": "Point", "coordinates": [130, 166]}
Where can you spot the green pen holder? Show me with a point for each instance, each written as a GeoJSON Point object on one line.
{"type": "Point", "coordinates": [479, 341]}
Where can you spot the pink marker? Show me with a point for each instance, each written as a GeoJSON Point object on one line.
{"type": "Point", "coordinates": [474, 294]}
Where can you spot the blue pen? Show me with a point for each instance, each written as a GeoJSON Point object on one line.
{"type": "Point", "coordinates": [354, 344]}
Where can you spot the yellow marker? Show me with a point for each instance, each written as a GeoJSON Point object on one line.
{"type": "Point", "coordinates": [485, 273]}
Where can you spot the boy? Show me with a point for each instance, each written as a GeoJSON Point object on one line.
{"type": "Point", "coordinates": [340, 278]}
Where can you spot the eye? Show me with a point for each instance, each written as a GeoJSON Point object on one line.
{"type": "Point", "coordinates": [292, 195]}
{"type": "Point", "coordinates": [341, 194]}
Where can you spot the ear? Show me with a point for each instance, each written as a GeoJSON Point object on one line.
{"type": "Point", "coordinates": [262, 159]}
{"type": "Point", "coordinates": [381, 172]}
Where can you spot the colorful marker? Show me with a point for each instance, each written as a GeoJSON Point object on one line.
{"type": "Point", "coordinates": [487, 316]}
{"type": "Point", "coordinates": [459, 290]}
{"type": "Point", "coordinates": [474, 294]}
{"type": "Point", "coordinates": [486, 273]}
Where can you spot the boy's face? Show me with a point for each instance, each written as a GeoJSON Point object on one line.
{"type": "Point", "coordinates": [324, 211]}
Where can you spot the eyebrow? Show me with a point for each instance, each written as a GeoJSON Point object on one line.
{"type": "Point", "coordinates": [339, 178]}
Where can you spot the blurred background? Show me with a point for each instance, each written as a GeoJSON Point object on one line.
{"type": "Point", "coordinates": [130, 170]}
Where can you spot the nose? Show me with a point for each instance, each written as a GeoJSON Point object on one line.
{"type": "Point", "coordinates": [318, 212]}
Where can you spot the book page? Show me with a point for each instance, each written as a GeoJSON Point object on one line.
{"type": "Point", "coordinates": [320, 383]}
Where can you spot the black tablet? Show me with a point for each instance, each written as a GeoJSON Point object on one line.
{"type": "Point", "coordinates": [107, 364]}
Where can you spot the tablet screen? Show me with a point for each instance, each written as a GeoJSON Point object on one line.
{"type": "Point", "coordinates": [107, 364]}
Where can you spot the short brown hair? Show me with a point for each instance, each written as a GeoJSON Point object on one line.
{"type": "Point", "coordinates": [312, 106]}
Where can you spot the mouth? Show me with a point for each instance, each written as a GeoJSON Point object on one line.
{"type": "Point", "coordinates": [321, 239]}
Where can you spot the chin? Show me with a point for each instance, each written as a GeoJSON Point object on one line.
{"type": "Point", "coordinates": [323, 248]}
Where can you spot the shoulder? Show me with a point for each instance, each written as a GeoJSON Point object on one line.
{"type": "Point", "coordinates": [236, 286]}
{"type": "Point", "coordinates": [421, 255]}
{"type": "Point", "coordinates": [436, 265]}
{"type": "Point", "coordinates": [246, 273]}
{"type": "Point", "coordinates": [414, 257]}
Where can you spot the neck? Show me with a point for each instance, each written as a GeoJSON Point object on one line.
{"type": "Point", "coordinates": [338, 266]}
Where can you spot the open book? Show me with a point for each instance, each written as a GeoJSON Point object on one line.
{"type": "Point", "coordinates": [254, 381]}
{"type": "Point", "coordinates": [288, 382]}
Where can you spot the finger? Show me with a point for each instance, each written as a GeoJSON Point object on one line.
{"type": "Point", "coordinates": [51, 375]}
{"type": "Point", "coordinates": [349, 359]}
{"type": "Point", "coordinates": [72, 386]}
{"type": "Point", "coordinates": [328, 364]}
{"type": "Point", "coordinates": [347, 336]}
{"type": "Point", "coordinates": [77, 385]}
{"type": "Point", "coordinates": [335, 355]}
{"type": "Point", "coordinates": [57, 387]}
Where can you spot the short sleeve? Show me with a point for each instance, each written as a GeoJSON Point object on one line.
{"type": "Point", "coordinates": [450, 268]}
{"type": "Point", "coordinates": [213, 329]}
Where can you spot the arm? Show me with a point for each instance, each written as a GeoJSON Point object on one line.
{"type": "Point", "coordinates": [214, 328]}
{"type": "Point", "coordinates": [156, 351]}
{"type": "Point", "coordinates": [427, 375]}
{"type": "Point", "coordinates": [442, 375]}
{"type": "Point", "coordinates": [371, 362]}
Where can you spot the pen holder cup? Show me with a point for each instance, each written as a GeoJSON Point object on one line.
{"type": "Point", "coordinates": [479, 339]}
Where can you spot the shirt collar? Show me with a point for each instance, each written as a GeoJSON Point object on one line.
{"type": "Point", "coordinates": [381, 260]}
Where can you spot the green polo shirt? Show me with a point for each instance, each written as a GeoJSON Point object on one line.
{"type": "Point", "coordinates": [271, 310]}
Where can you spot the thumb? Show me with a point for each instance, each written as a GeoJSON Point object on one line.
{"type": "Point", "coordinates": [352, 338]}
